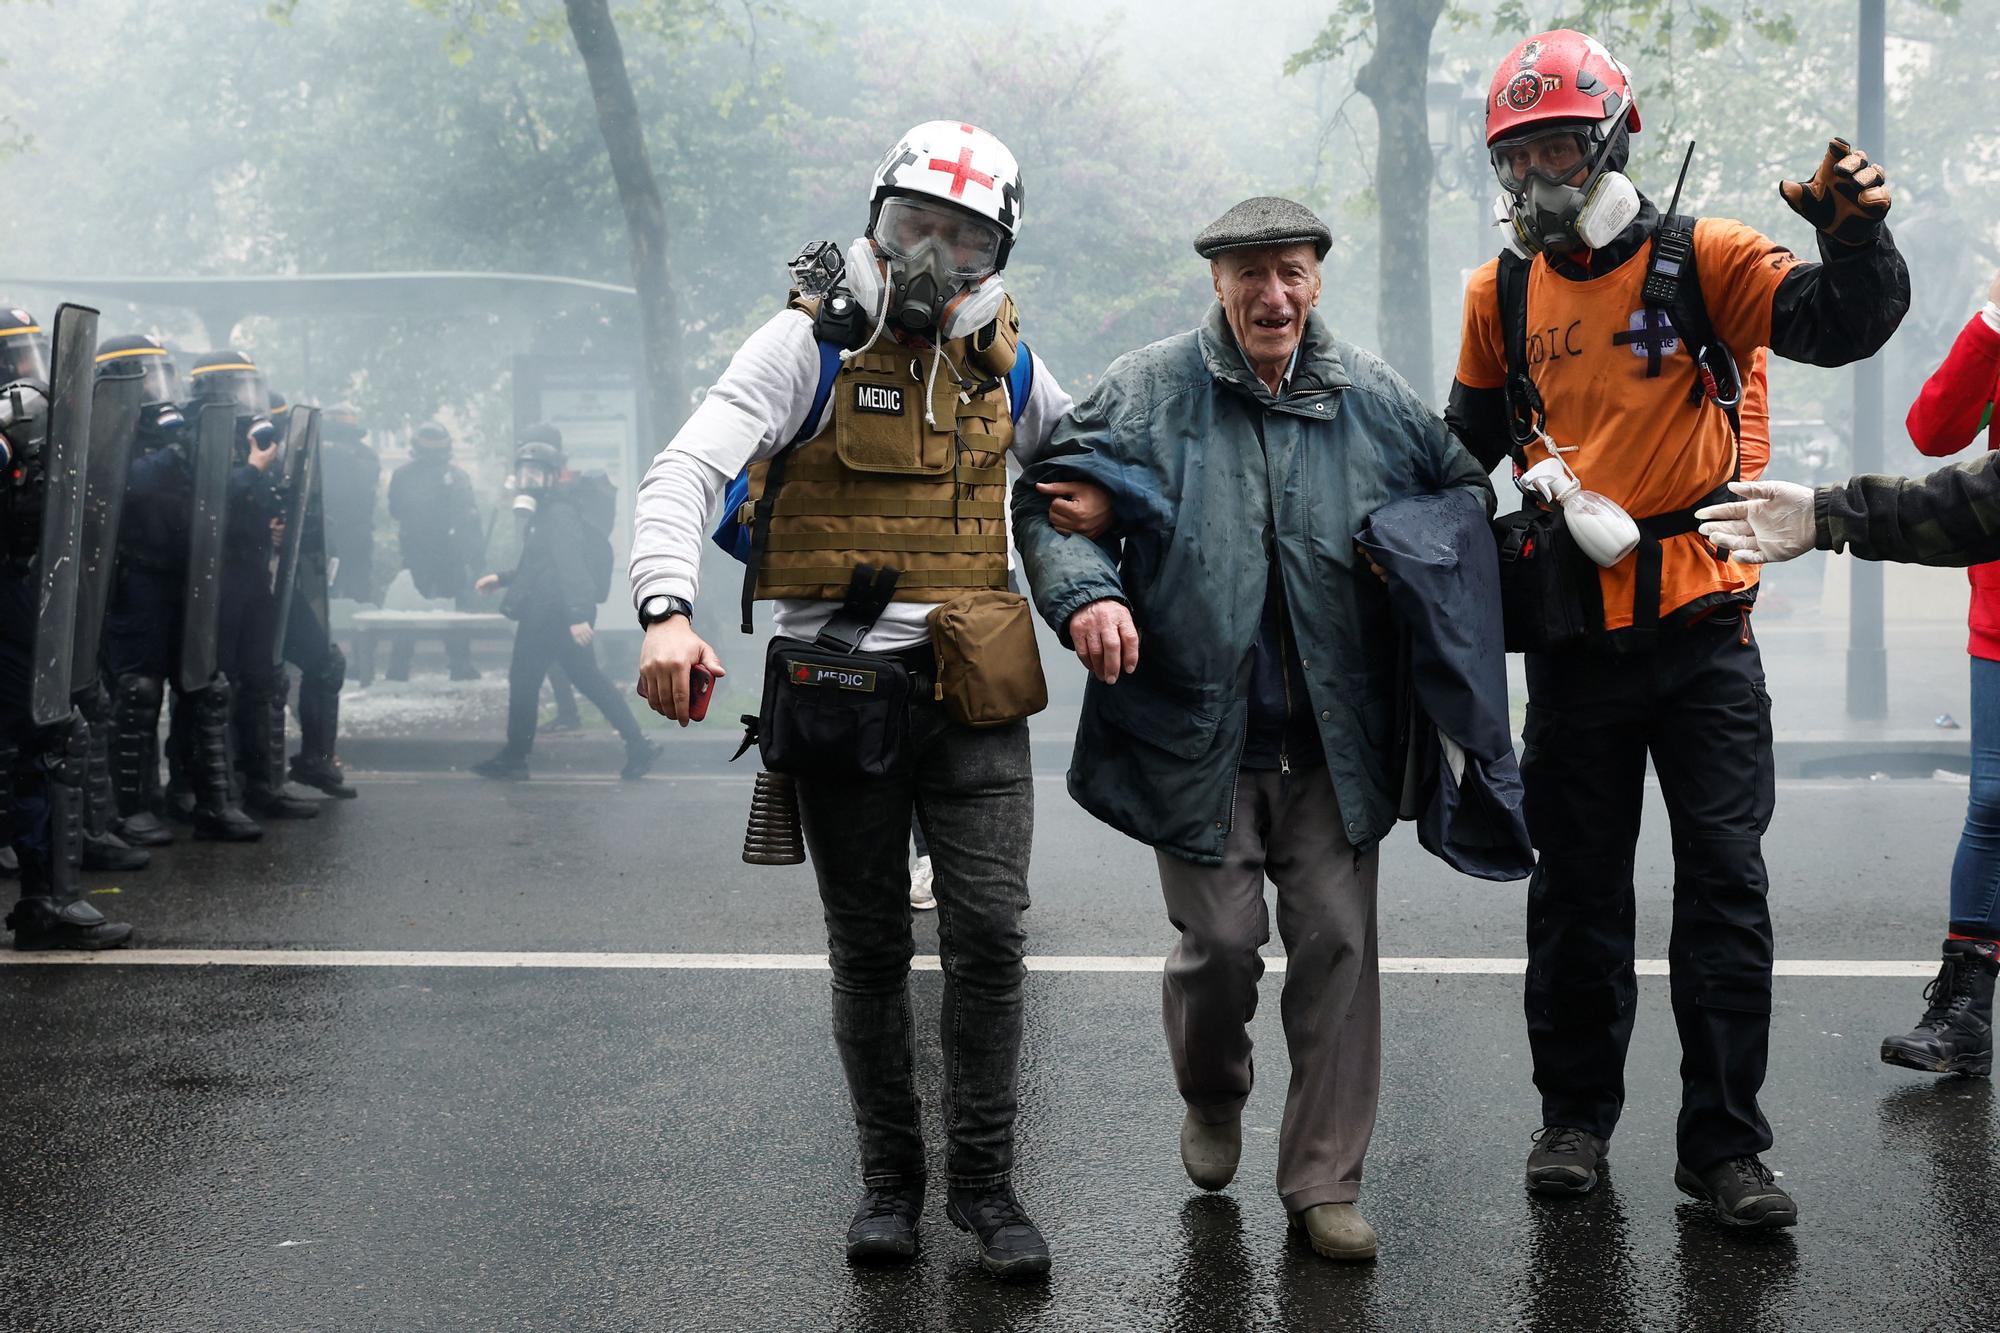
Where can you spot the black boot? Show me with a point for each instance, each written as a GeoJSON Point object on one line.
{"type": "Point", "coordinates": [103, 849]}
{"type": "Point", "coordinates": [884, 1229]}
{"type": "Point", "coordinates": [322, 771]}
{"type": "Point", "coordinates": [214, 813]}
{"type": "Point", "coordinates": [135, 761]}
{"type": "Point", "coordinates": [52, 913]}
{"type": "Point", "coordinates": [1565, 1160]}
{"type": "Point", "coordinates": [1010, 1244]}
{"type": "Point", "coordinates": [319, 726]}
{"type": "Point", "coordinates": [183, 757]}
{"type": "Point", "coordinates": [261, 726]}
{"type": "Point", "coordinates": [1955, 1035]}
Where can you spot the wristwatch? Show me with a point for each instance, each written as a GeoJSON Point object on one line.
{"type": "Point", "coordinates": [662, 606]}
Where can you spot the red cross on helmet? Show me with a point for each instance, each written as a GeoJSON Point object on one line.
{"type": "Point", "coordinates": [959, 164]}
{"type": "Point", "coordinates": [1559, 76]}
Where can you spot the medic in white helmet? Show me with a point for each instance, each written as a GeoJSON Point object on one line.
{"type": "Point", "coordinates": [868, 428]}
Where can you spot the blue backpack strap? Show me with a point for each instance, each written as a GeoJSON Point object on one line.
{"type": "Point", "coordinates": [735, 537]}
{"type": "Point", "coordinates": [1020, 382]}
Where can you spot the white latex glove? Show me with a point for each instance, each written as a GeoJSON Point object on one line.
{"type": "Point", "coordinates": [1773, 522]}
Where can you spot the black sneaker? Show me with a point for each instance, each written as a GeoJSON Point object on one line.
{"type": "Point", "coordinates": [1010, 1245]}
{"type": "Point", "coordinates": [1955, 1035]}
{"type": "Point", "coordinates": [1744, 1192]}
{"type": "Point", "coordinates": [1565, 1160]}
{"type": "Point", "coordinates": [502, 767]}
{"type": "Point", "coordinates": [884, 1229]}
{"type": "Point", "coordinates": [639, 760]}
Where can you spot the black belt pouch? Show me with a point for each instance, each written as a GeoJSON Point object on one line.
{"type": "Point", "coordinates": [834, 715]}
{"type": "Point", "coordinates": [1550, 597]}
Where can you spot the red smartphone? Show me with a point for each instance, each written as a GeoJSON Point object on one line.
{"type": "Point", "coordinates": [701, 684]}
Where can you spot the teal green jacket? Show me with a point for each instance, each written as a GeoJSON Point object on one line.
{"type": "Point", "coordinates": [1212, 478]}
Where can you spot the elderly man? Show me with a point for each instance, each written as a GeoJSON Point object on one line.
{"type": "Point", "coordinates": [1238, 718]}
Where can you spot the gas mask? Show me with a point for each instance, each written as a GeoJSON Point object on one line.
{"type": "Point", "coordinates": [1538, 213]}
{"type": "Point", "coordinates": [24, 421]}
{"type": "Point", "coordinates": [928, 270]}
{"type": "Point", "coordinates": [160, 424]}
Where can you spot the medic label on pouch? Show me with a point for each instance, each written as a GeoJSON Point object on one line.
{"type": "Point", "coordinates": [841, 678]}
{"type": "Point", "coordinates": [878, 398]}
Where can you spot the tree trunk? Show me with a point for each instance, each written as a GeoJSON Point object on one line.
{"type": "Point", "coordinates": [1394, 81]}
{"type": "Point", "coordinates": [590, 23]}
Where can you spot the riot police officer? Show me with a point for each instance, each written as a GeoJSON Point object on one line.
{"type": "Point", "coordinates": [145, 646]}
{"type": "Point", "coordinates": [249, 619]}
{"type": "Point", "coordinates": [308, 642]}
{"type": "Point", "coordinates": [350, 476]}
{"type": "Point", "coordinates": [430, 498]}
{"type": "Point", "coordinates": [42, 765]}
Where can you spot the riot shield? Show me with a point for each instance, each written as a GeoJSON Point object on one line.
{"type": "Point", "coordinates": [114, 422]}
{"type": "Point", "coordinates": [60, 555]}
{"type": "Point", "coordinates": [303, 524]}
{"type": "Point", "coordinates": [201, 607]}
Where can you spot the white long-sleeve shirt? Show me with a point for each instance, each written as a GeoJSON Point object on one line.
{"type": "Point", "coordinates": [752, 413]}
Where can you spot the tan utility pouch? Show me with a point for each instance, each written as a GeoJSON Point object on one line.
{"type": "Point", "coordinates": [989, 669]}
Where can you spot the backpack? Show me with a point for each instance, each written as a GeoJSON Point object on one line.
{"type": "Point", "coordinates": [734, 536]}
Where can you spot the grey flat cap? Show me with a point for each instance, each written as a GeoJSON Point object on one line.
{"type": "Point", "coordinates": [1265, 220]}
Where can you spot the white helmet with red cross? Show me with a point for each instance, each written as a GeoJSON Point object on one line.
{"type": "Point", "coordinates": [960, 164]}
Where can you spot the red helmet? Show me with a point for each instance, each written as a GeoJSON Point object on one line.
{"type": "Point", "coordinates": [1559, 76]}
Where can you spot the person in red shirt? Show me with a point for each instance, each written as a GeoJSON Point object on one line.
{"type": "Point", "coordinates": [1955, 1034]}
{"type": "Point", "coordinates": [1564, 349]}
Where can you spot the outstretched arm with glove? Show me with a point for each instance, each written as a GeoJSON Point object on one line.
{"type": "Point", "coordinates": [1949, 518]}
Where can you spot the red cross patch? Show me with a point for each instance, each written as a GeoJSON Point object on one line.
{"type": "Point", "coordinates": [961, 171]}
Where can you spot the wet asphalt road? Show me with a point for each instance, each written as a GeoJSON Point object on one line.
{"type": "Point", "coordinates": [231, 1147]}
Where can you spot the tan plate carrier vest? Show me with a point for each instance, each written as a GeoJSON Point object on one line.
{"type": "Point", "coordinates": [883, 487]}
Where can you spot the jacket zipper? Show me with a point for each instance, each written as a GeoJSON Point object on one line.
{"type": "Point", "coordinates": [1285, 666]}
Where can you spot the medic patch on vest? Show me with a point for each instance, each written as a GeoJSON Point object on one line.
{"type": "Point", "coordinates": [881, 398]}
{"type": "Point", "coordinates": [1650, 333]}
{"type": "Point", "coordinates": [840, 678]}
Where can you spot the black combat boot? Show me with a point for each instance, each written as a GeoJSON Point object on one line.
{"type": "Point", "coordinates": [135, 761]}
{"type": "Point", "coordinates": [261, 724]}
{"type": "Point", "coordinates": [1010, 1244]}
{"type": "Point", "coordinates": [319, 727]}
{"type": "Point", "coordinates": [884, 1229]}
{"type": "Point", "coordinates": [322, 771]}
{"type": "Point", "coordinates": [214, 813]}
{"type": "Point", "coordinates": [51, 913]}
{"type": "Point", "coordinates": [103, 849]}
{"type": "Point", "coordinates": [1955, 1035]}
{"type": "Point", "coordinates": [183, 759]}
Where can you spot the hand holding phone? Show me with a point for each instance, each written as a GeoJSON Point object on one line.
{"type": "Point", "coordinates": [701, 684]}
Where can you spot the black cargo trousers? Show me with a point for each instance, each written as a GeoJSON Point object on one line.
{"type": "Point", "coordinates": [1696, 703]}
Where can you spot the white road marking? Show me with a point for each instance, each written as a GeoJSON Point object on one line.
{"type": "Point", "coordinates": [809, 962]}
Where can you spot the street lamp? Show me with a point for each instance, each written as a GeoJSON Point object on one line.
{"type": "Point", "coordinates": [1455, 115]}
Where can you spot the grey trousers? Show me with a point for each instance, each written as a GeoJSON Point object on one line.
{"type": "Point", "coordinates": [1288, 828]}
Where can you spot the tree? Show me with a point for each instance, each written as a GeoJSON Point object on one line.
{"type": "Point", "coordinates": [1394, 78]}
{"type": "Point", "coordinates": [596, 38]}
